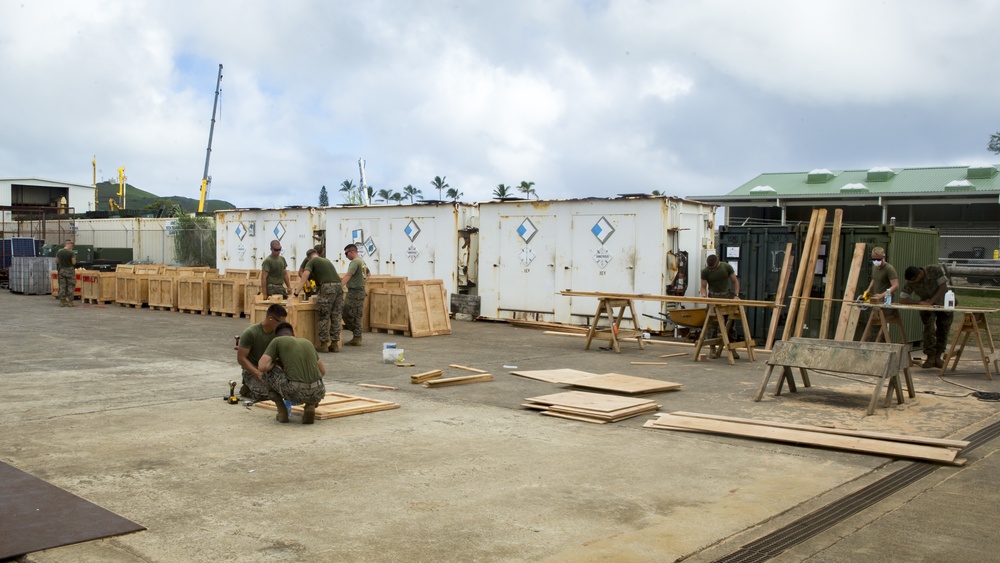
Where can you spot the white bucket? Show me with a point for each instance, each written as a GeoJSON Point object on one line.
{"type": "Point", "coordinates": [392, 355]}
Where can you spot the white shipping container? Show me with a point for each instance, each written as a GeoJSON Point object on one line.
{"type": "Point", "coordinates": [245, 235]}
{"type": "Point", "coordinates": [421, 242]}
{"type": "Point", "coordinates": [532, 250]}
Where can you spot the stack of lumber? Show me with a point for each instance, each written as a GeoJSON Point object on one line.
{"type": "Point", "coordinates": [426, 376]}
{"type": "Point", "coordinates": [556, 327]}
{"type": "Point", "coordinates": [590, 407]}
{"type": "Point", "coordinates": [336, 405]}
{"type": "Point", "coordinates": [434, 378]}
{"type": "Point", "coordinates": [628, 384]}
{"type": "Point", "coordinates": [879, 443]}
{"type": "Point", "coordinates": [414, 308]}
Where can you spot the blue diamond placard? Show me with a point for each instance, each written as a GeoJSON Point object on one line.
{"type": "Point", "coordinates": [279, 231]}
{"type": "Point", "coordinates": [412, 231]}
{"type": "Point", "coordinates": [241, 231]}
{"type": "Point", "coordinates": [602, 230]}
{"type": "Point", "coordinates": [526, 230]}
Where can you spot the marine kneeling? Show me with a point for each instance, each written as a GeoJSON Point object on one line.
{"type": "Point", "coordinates": [292, 370]}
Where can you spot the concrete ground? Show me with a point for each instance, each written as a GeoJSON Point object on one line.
{"type": "Point", "coordinates": [124, 407]}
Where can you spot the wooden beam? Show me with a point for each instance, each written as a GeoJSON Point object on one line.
{"type": "Point", "coordinates": [466, 368]}
{"type": "Point", "coordinates": [831, 272]}
{"type": "Point", "coordinates": [793, 304]}
{"type": "Point", "coordinates": [461, 380]}
{"type": "Point", "coordinates": [849, 290]}
{"type": "Point", "coordinates": [810, 271]}
{"type": "Point", "coordinates": [373, 386]}
{"type": "Point", "coordinates": [779, 297]}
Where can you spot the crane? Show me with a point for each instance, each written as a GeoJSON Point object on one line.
{"type": "Point", "coordinates": [122, 185]}
{"type": "Point", "coordinates": [205, 179]}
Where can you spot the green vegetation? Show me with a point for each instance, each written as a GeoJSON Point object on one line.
{"type": "Point", "coordinates": [979, 298]}
{"type": "Point", "coordinates": [194, 241]}
{"type": "Point", "coordinates": [137, 200]}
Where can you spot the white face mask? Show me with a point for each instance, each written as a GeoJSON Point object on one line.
{"type": "Point", "coordinates": [876, 263]}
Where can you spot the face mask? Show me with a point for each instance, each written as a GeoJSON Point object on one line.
{"type": "Point", "coordinates": [876, 263]}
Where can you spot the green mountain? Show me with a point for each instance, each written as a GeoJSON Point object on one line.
{"type": "Point", "coordinates": [137, 200]}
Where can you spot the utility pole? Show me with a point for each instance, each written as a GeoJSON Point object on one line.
{"type": "Point", "coordinates": [208, 154]}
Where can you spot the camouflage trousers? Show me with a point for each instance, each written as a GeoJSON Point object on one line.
{"type": "Point", "coordinates": [354, 306]}
{"type": "Point", "coordinates": [282, 388]}
{"type": "Point", "coordinates": [713, 331]}
{"type": "Point", "coordinates": [67, 283]}
{"type": "Point", "coordinates": [935, 337]}
{"type": "Point", "coordinates": [329, 311]}
{"type": "Point", "coordinates": [276, 289]}
{"type": "Point", "coordinates": [259, 390]}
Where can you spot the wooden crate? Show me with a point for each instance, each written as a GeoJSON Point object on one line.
{"type": "Point", "coordinates": [225, 296]}
{"type": "Point", "coordinates": [163, 292]}
{"type": "Point", "coordinates": [301, 315]}
{"type": "Point", "coordinates": [97, 287]}
{"type": "Point", "coordinates": [427, 307]}
{"type": "Point", "coordinates": [54, 283]}
{"type": "Point", "coordinates": [193, 293]}
{"type": "Point", "coordinates": [188, 270]}
{"type": "Point", "coordinates": [251, 289]}
{"type": "Point", "coordinates": [378, 282]}
{"type": "Point", "coordinates": [388, 310]}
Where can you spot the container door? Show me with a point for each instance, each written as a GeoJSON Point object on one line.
{"type": "Point", "coordinates": [365, 234]}
{"type": "Point", "coordinates": [526, 265]}
{"type": "Point", "coordinates": [603, 257]}
{"type": "Point", "coordinates": [411, 247]}
{"type": "Point", "coordinates": [274, 229]}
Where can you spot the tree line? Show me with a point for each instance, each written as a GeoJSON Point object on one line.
{"type": "Point", "coordinates": [352, 193]}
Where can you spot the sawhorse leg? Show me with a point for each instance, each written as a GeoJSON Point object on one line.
{"type": "Point", "coordinates": [593, 324]}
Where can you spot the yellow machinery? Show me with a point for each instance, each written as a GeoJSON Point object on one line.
{"type": "Point", "coordinates": [121, 187]}
{"type": "Point", "coordinates": [205, 179]}
{"type": "Point", "coordinates": [113, 205]}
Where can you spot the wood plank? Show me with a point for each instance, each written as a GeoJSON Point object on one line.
{"type": "Point", "coordinates": [665, 298]}
{"type": "Point", "coordinates": [674, 355]}
{"type": "Point", "coordinates": [461, 380]}
{"type": "Point", "coordinates": [426, 376]}
{"type": "Point", "coordinates": [650, 363]}
{"type": "Point", "coordinates": [426, 303]}
{"type": "Point", "coordinates": [580, 418]}
{"type": "Point", "coordinates": [793, 304]}
{"type": "Point", "coordinates": [779, 297]}
{"type": "Point", "coordinates": [831, 272]}
{"type": "Point", "coordinates": [373, 386]}
{"type": "Point", "coordinates": [941, 442]}
{"type": "Point", "coordinates": [831, 358]}
{"type": "Point", "coordinates": [810, 272]}
{"type": "Point", "coordinates": [335, 405]}
{"type": "Point", "coordinates": [849, 443]}
{"type": "Point", "coordinates": [466, 368]}
{"type": "Point", "coordinates": [845, 329]}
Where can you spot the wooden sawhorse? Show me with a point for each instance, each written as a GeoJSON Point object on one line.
{"type": "Point", "coordinates": [725, 315]}
{"type": "Point", "coordinates": [606, 306]}
{"type": "Point", "coordinates": [876, 359]}
{"type": "Point", "coordinates": [973, 323]}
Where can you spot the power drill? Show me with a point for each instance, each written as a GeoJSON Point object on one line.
{"type": "Point", "coordinates": [232, 399]}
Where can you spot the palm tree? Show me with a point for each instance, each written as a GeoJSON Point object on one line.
{"type": "Point", "coordinates": [440, 185]}
{"type": "Point", "coordinates": [397, 197]}
{"type": "Point", "coordinates": [385, 195]}
{"type": "Point", "coordinates": [526, 189]}
{"type": "Point", "coordinates": [371, 193]}
{"type": "Point", "coordinates": [657, 192]}
{"type": "Point", "coordinates": [410, 192]}
{"type": "Point", "coordinates": [347, 188]}
{"type": "Point", "coordinates": [502, 192]}
{"type": "Point", "coordinates": [454, 194]}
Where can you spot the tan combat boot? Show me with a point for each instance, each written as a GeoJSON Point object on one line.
{"type": "Point", "coordinates": [356, 341]}
{"type": "Point", "coordinates": [62, 303]}
{"type": "Point", "coordinates": [335, 346]}
{"type": "Point", "coordinates": [323, 346]}
{"type": "Point", "coordinates": [938, 361]}
{"type": "Point", "coordinates": [69, 302]}
{"type": "Point", "coordinates": [309, 413]}
{"type": "Point", "coordinates": [279, 402]}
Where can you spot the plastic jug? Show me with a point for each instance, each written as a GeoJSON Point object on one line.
{"type": "Point", "coordinates": [949, 299]}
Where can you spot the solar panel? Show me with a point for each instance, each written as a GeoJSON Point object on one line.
{"type": "Point", "coordinates": [23, 247]}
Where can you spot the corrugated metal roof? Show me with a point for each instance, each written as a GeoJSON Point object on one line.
{"type": "Point", "coordinates": [903, 181]}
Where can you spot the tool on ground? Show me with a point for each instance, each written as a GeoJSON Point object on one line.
{"type": "Point", "coordinates": [232, 399]}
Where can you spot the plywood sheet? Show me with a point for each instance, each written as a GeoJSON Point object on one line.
{"type": "Point", "coordinates": [596, 402]}
{"type": "Point", "coordinates": [388, 309]}
{"type": "Point", "coordinates": [624, 383]}
{"type": "Point", "coordinates": [564, 375]}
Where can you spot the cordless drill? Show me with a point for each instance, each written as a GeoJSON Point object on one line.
{"type": "Point", "coordinates": [232, 399]}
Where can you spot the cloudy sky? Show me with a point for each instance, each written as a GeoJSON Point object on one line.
{"type": "Point", "coordinates": [584, 98]}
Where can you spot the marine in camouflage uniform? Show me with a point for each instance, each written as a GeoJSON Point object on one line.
{"type": "Point", "coordinates": [274, 273]}
{"type": "Point", "coordinates": [329, 300]}
{"type": "Point", "coordinates": [354, 304]}
{"type": "Point", "coordinates": [927, 286]}
{"type": "Point", "coordinates": [65, 261]}
{"type": "Point", "coordinates": [300, 380]}
{"type": "Point", "coordinates": [715, 283]}
{"type": "Point", "coordinates": [252, 345]}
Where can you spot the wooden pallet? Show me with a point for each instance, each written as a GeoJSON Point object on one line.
{"type": "Point", "coordinates": [336, 405]}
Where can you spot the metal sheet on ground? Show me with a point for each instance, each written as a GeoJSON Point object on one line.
{"type": "Point", "coordinates": [38, 515]}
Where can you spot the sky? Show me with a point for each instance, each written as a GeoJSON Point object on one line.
{"type": "Point", "coordinates": [583, 98]}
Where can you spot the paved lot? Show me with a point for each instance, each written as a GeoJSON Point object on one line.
{"type": "Point", "coordinates": [124, 407]}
